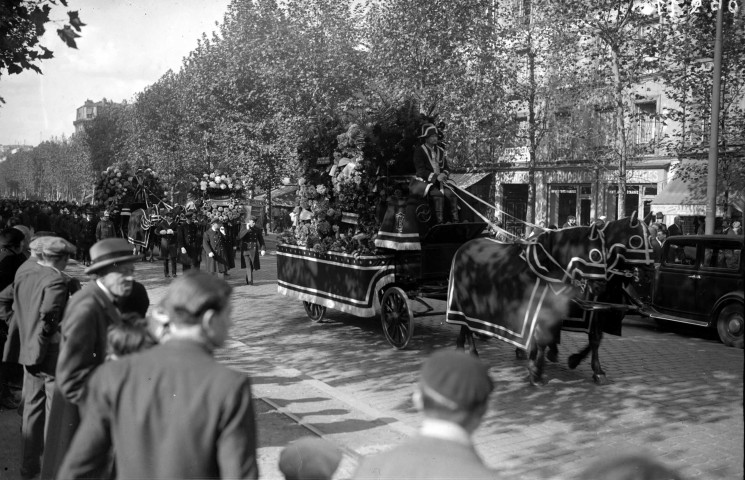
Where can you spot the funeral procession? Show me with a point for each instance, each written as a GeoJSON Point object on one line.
{"type": "Point", "coordinates": [372, 239]}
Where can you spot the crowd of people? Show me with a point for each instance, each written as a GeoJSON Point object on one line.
{"type": "Point", "coordinates": [115, 389]}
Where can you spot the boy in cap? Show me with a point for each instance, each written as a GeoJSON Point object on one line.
{"type": "Point", "coordinates": [309, 458]}
{"type": "Point", "coordinates": [172, 410]}
{"type": "Point", "coordinates": [453, 394]}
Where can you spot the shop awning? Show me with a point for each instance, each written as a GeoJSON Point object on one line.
{"type": "Point", "coordinates": [688, 197]}
{"type": "Point", "coordinates": [465, 180]}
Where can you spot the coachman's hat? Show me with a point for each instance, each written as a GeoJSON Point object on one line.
{"type": "Point", "coordinates": [427, 130]}
{"type": "Point", "coordinates": [110, 251]}
{"type": "Point", "coordinates": [455, 380]}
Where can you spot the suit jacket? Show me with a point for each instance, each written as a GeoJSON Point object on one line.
{"type": "Point", "coordinates": [10, 262]}
{"type": "Point", "coordinates": [212, 241]}
{"type": "Point", "coordinates": [85, 326]}
{"type": "Point", "coordinates": [39, 298]}
{"type": "Point", "coordinates": [656, 250]}
{"type": "Point", "coordinates": [425, 458]}
{"type": "Point", "coordinates": [673, 230]}
{"type": "Point", "coordinates": [173, 412]}
{"type": "Point", "coordinates": [167, 240]}
{"type": "Point", "coordinates": [251, 243]}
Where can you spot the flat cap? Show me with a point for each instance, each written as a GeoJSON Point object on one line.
{"type": "Point", "coordinates": [57, 246]}
{"type": "Point", "coordinates": [309, 458]}
{"type": "Point", "coordinates": [455, 380]}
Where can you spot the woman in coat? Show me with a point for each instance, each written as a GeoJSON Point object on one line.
{"type": "Point", "coordinates": [252, 246]}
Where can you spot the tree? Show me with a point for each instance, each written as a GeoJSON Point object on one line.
{"type": "Point", "coordinates": [22, 26]}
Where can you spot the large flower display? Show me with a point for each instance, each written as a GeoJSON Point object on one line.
{"type": "Point", "coordinates": [222, 196]}
{"type": "Point", "coordinates": [118, 186]}
{"type": "Point", "coordinates": [337, 207]}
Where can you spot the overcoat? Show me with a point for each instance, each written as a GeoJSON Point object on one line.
{"type": "Point", "coordinates": [425, 161]}
{"type": "Point", "coordinates": [9, 264]}
{"type": "Point", "coordinates": [173, 412]}
{"type": "Point", "coordinates": [188, 238]}
{"type": "Point", "coordinates": [168, 241]}
{"type": "Point", "coordinates": [212, 241]}
{"type": "Point", "coordinates": [85, 324]}
{"type": "Point", "coordinates": [251, 243]}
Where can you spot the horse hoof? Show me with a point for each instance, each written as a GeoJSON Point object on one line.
{"type": "Point", "coordinates": [599, 379]}
{"type": "Point", "coordinates": [573, 361]}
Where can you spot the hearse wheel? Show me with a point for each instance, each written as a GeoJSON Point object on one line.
{"type": "Point", "coordinates": [731, 325]}
{"type": "Point", "coordinates": [396, 318]}
{"type": "Point", "coordinates": [314, 311]}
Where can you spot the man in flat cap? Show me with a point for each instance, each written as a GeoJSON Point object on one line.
{"type": "Point", "coordinates": [84, 326]}
{"type": "Point", "coordinates": [453, 394]}
{"type": "Point", "coordinates": [40, 295]}
{"type": "Point", "coordinates": [172, 411]}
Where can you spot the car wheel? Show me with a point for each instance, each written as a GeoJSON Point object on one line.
{"type": "Point", "coordinates": [731, 325]}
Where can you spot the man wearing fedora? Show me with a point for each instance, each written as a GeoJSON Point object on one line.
{"type": "Point", "coordinates": [84, 327]}
{"type": "Point", "coordinates": [40, 294]}
{"type": "Point", "coordinates": [453, 395]}
{"type": "Point", "coordinates": [431, 174]}
{"type": "Point", "coordinates": [172, 411]}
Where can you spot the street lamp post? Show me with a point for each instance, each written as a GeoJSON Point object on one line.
{"type": "Point", "coordinates": [711, 179]}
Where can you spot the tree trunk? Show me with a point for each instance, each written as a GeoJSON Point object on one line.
{"type": "Point", "coordinates": [620, 132]}
{"type": "Point", "coordinates": [532, 143]}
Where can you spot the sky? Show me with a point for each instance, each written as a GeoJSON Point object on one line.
{"type": "Point", "coordinates": [125, 46]}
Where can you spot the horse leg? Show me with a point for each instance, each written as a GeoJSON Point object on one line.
{"type": "Point", "coordinates": [577, 358]}
{"type": "Point", "coordinates": [598, 375]}
{"type": "Point", "coordinates": [553, 352]}
{"type": "Point", "coordinates": [466, 336]}
{"type": "Point", "coordinates": [535, 364]}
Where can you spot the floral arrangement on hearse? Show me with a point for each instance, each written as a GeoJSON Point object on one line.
{"type": "Point", "coordinates": [338, 200]}
{"type": "Point", "coordinates": [221, 196]}
{"type": "Point", "coordinates": [118, 186]}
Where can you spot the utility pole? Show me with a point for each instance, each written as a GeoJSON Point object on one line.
{"type": "Point", "coordinates": [711, 180]}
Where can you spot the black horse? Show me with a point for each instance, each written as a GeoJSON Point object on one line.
{"type": "Point", "coordinates": [521, 292]}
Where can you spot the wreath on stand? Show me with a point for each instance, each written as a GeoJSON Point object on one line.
{"type": "Point", "coordinates": [220, 196]}
{"type": "Point", "coordinates": [118, 187]}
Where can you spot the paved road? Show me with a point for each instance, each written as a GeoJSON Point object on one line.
{"type": "Point", "coordinates": [676, 394]}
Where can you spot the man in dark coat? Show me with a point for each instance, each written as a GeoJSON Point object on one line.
{"type": "Point", "coordinates": [188, 240]}
{"type": "Point", "coordinates": [214, 249]}
{"type": "Point", "coordinates": [251, 247]}
{"type": "Point", "coordinates": [105, 228]}
{"type": "Point", "coordinates": [167, 232]}
{"type": "Point", "coordinates": [172, 411]}
{"type": "Point", "coordinates": [11, 256]}
{"type": "Point", "coordinates": [87, 237]}
{"type": "Point", "coordinates": [85, 324]}
{"type": "Point", "coordinates": [674, 229]}
{"type": "Point", "coordinates": [39, 298]}
{"type": "Point", "coordinates": [431, 174]}
{"type": "Point", "coordinates": [453, 394]}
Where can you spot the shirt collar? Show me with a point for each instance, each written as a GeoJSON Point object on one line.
{"type": "Point", "coordinates": [434, 427]}
{"type": "Point", "coordinates": [106, 291]}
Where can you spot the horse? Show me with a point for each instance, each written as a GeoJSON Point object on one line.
{"type": "Point", "coordinates": [521, 292]}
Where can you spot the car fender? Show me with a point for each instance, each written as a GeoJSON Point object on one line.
{"type": "Point", "coordinates": [731, 297]}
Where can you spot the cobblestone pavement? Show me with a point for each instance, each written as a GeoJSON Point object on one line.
{"type": "Point", "coordinates": [672, 393]}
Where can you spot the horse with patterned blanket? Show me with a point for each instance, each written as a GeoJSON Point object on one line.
{"type": "Point", "coordinates": [521, 292]}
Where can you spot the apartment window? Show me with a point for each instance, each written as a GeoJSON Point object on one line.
{"type": "Point", "coordinates": [647, 125]}
{"type": "Point", "coordinates": [89, 112]}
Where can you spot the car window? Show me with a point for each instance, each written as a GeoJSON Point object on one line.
{"type": "Point", "coordinates": [684, 255]}
{"type": "Point", "coordinates": [722, 258]}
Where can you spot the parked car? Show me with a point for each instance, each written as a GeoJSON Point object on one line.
{"type": "Point", "coordinates": [700, 282]}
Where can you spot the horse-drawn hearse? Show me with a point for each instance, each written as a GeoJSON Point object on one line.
{"type": "Point", "coordinates": [520, 291]}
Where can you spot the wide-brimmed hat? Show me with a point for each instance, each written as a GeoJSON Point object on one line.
{"type": "Point", "coordinates": [427, 130]}
{"type": "Point", "coordinates": [110, 251]}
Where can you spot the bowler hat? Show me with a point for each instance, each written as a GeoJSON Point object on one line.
{"type": "Point", "coordinates": [110, 251]}
{"type": "Point", "coordinates": [427, 130]}
{"type": "Point", "coordinates": [455, 380]}
{"type": "Point", "coordinates": [309, 458]}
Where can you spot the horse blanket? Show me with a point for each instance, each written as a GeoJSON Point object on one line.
{"type": "Point", "coordinates": [138, 231]}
